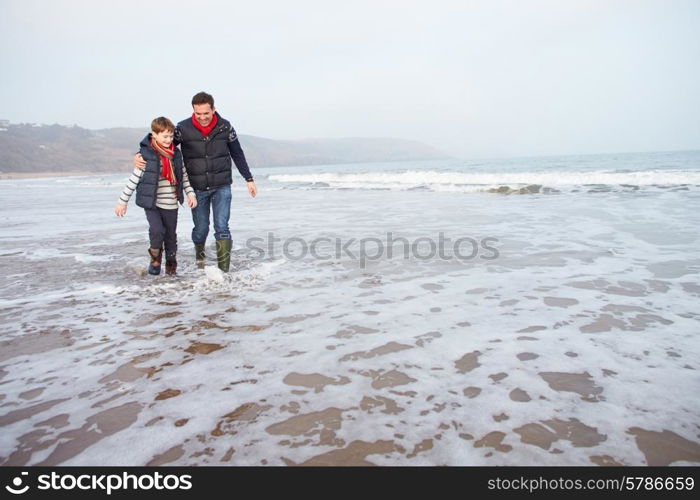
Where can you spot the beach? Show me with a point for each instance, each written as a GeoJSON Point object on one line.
{"type": "Point", "coordinates": [40, 175]}
{"type": "Point", "coordinates": [537, 311]}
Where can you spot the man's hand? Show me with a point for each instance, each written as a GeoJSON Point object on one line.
{"type": "Point", "coordinates": [252, 189]}
{"type": "Point", "coordinates": [192, 201]}
{"type": "Point", "coordinates": [139, 162]}
{"type": "Point", "coordinates": [120, 210]}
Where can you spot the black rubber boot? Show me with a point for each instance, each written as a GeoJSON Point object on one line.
{"type": "Point", "coordinates": [223, 254]}
{"type": "Point", "coordinates": [156, 257]}
{"type": "Point", "coordinates": [199, 255]}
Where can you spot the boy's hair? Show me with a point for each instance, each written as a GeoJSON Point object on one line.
{"type": "Point", "coordinates": [203, 98]}
{"type": "Point", "coordinates": [160, 124]}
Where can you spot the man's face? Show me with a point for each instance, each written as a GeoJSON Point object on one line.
{"type": "Point", "coordinates": [204, 113]}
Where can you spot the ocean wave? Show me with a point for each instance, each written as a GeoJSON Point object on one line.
{"type": "Point", "coordinates": [503, 183]}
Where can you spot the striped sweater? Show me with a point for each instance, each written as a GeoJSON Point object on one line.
{"type": "Point", "coordinates": [165, 195]}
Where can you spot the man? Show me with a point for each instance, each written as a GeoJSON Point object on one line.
{"type": "Point", "coordinates": [208, 143]}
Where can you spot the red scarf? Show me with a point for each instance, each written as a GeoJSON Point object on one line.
{"type": "Point", "coordinates": [205, 130]}
{"type": "Point", "coordinates": [166, 155]}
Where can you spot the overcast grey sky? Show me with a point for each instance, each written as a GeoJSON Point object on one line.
{"type": "Point", "coordinates": [473, 78]}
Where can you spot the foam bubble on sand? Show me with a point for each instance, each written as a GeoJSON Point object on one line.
{"type": "Point", "coordinates": [214, 274]}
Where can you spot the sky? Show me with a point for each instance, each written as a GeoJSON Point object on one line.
{"type": "Point", "coordinates": [492, 78]}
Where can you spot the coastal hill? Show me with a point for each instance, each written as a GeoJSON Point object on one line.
{"type": "Point", "coordinates": [27, 148]}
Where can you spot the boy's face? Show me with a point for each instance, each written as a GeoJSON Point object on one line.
{"type": "Point", "coordinates": [164, 138]}
{"type": "Point", "coordinates": [204, 113]}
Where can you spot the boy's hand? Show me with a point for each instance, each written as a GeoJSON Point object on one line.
{"type": "Point", "coordinates": [252, 189]}
{"type": "Point", "coordinates": [120, 210]}
{"type": "Point", "coordinates": [192, 201]}
{"type": "Point", "coordinates": [139, 162]}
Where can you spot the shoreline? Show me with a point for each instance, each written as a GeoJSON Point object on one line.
{"type": "Point", "coordinates": [38, 175]}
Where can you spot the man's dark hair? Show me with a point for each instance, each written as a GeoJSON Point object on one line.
{"type": "Point", "coordinates": [203, 98]}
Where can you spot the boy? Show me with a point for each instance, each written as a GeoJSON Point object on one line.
{"type": "Point", "coordinates": [159, 187]}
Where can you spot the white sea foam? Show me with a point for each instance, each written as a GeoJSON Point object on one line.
{"type": "Point", "coordinates": [480, 181]}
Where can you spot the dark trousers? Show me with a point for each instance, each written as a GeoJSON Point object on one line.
{"type": "Point", "coordinates": [162, 229]}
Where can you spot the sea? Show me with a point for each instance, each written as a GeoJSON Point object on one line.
{"type": "Point", "coordinates": [521, 311]}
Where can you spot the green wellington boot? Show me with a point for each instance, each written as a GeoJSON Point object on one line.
{"type": "Point", "coordinates": [199, 255]}
{"type": "Point", "coordinates": [223, 254]}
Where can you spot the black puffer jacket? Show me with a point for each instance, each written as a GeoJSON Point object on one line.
{"type": "Point", "coordinates": [207, 159]}
{"type": "Point", "coordinates": [147, 188]}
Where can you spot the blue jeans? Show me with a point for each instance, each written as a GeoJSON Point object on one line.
{"type": "Point", "coordinates": [220, 201]}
